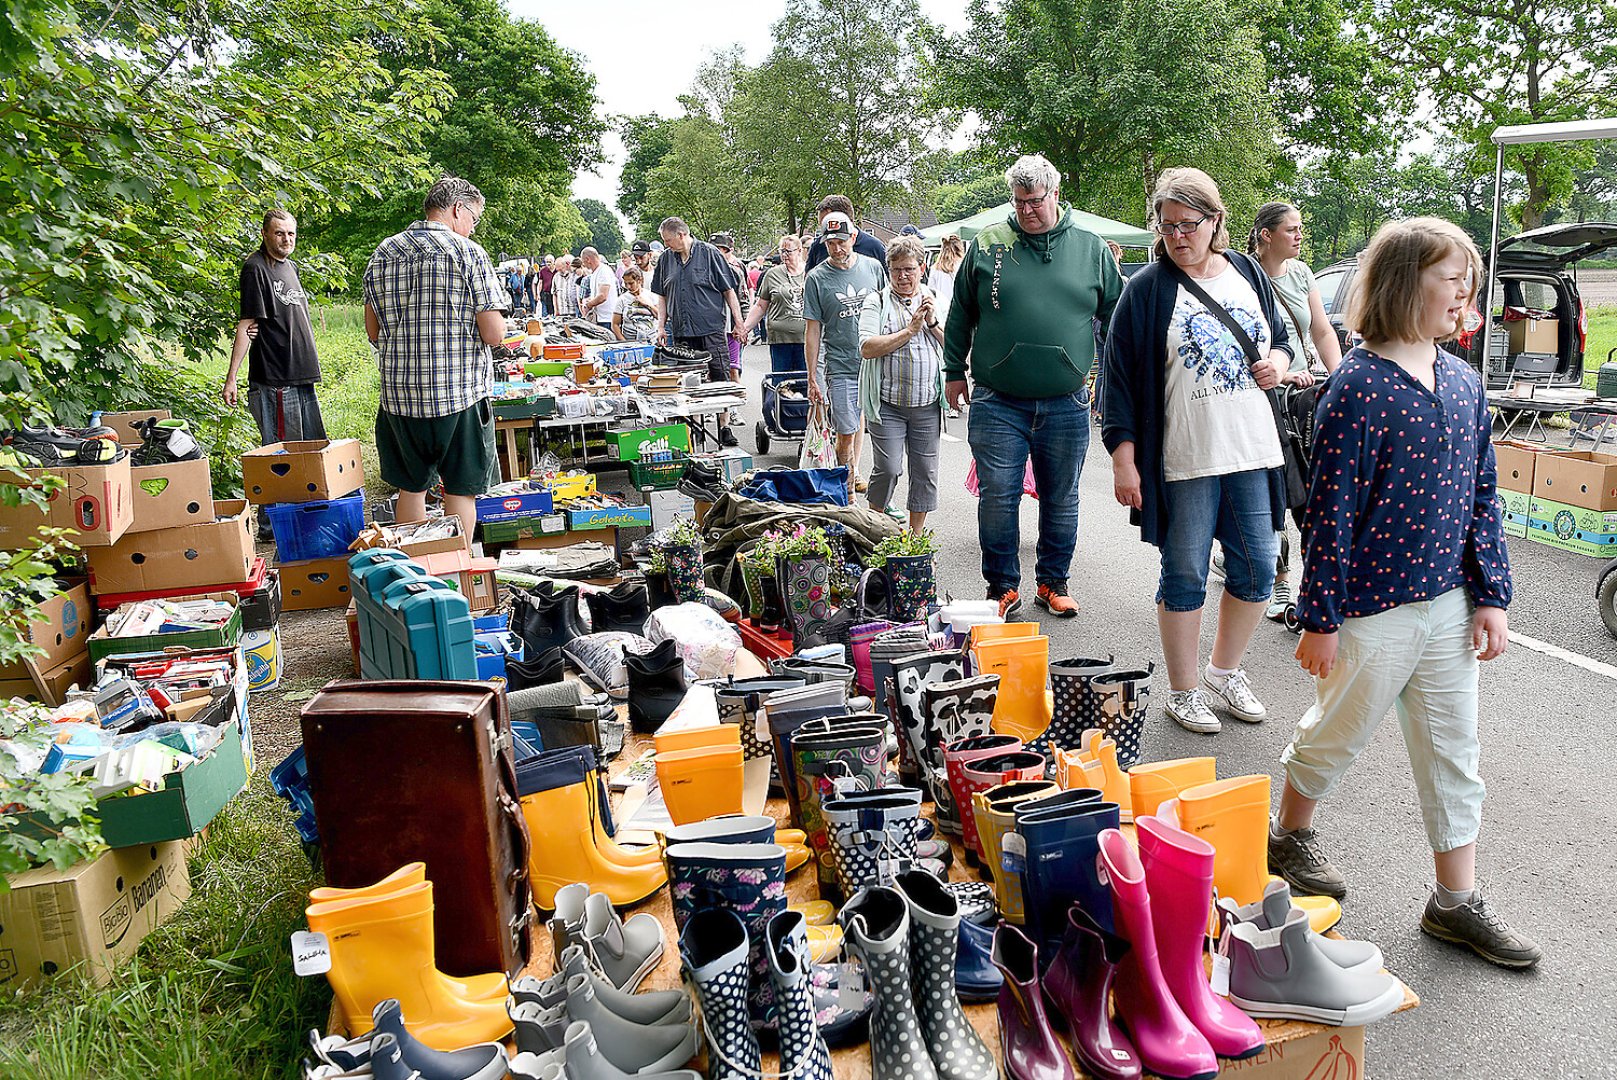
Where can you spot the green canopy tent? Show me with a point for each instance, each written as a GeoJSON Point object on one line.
{"type": "Point", "coordinates": [1105, 228]}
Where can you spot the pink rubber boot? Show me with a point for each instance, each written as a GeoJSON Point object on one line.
{"type": "Point", "coordinates": [1179, 877]}
{"type": "Point", "coordinates": [1167, 1042]}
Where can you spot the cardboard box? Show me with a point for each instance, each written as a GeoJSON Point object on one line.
{"type": "Point", "coordinates": [1515, 461]}
{"type": "Point", "coordinates": [217, 552]}
{"type": "Point", "coordinates": [378, 535]}
{"type": "Point", "coordinates": [76, 671]}
{"type": "Point", "coordinates": [1577, 478]}
{"type": "Point", "coordinates": [1535, 335]}
{"type": "Point", "coordinates": [732, 462]}
{"type": "Point", "coordinates": [314, 584]}
{"type": "Point", "coordinates": [609, 537]}
{"type": "Point", "coordinates": [1298, 1050]}
{"type": "Point", "coordinates": [94, 913]}
{"type": "Point", "coordinates": [626, 445]}
{"type": "Point", "coordinates": [472, 578]}
{"type": "Point", "coordinates": [94, 502]}
{"type": "Point", "coordinates": [225, 636]}
{"type": "Point", "coordinates": [1573, 528]}
{"type": "Point", "coordinates": [262, 651]}
{"type": "Point", "coordinates": [1513, 508]}
{"type": "Point", "coordinates": [302, 471]}
{"type": "Point", "coordinates": [522, 504]}
{"type": "Point", "coordinates": [667, 506]}
{"type": "Point", "coordinates": [504, 532]}
{"type": "Point", "coordinates": [125, 423]}
{"type": "Point", "coordinates": [352, 618]}
{"type": "Point", "coordinates": [169, 496]}
{"type": "Point", "coordinates": [191, 797]}
{"type": "Point", "coordinates": [61, 629]}
{"type": "Point", "coordinates": [617, 517]}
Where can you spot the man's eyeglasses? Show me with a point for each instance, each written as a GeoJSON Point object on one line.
{"type": "Point", "coordinates": [476, 215]}
{"type": "Point", "coordinates": [1182, 228]}
{"type": "Point", "coordinates": [1029, 204]}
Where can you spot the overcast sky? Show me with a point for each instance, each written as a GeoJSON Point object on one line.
{"type": "Point", "coordinates": [644, 54]}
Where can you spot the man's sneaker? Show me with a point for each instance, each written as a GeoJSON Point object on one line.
{"type": "Point", "coordinates": [1054, 599]}
{"type": "Point", "coordinates": [163, 441]}
{"type": "Point", "coordinates": [1477, 926]}
{"type": "Point", "coordinates": [46, 445]}
{"type": "Point", "coordinates": [1298, 857]}
{"type": "Point", "coordinates": [1010, 601]}
{"type": "Point", "coordinates": [727, 437]}
{"type": "Point", "coordinates": [1279, 601]}
{"type": "Point", "coordinates": [1189, 710]}
{"type": "Point", "coordinates": [1235, 693]}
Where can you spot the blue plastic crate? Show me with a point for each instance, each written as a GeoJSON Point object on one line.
{"type": "Point", "coordinates": [290, 779]}
{"type": "Point", "coordinates": [316, 530]}
{"type": "Point", "coordinates": [494, 651]}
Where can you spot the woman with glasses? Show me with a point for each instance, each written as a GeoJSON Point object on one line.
{"type": "Point", "coordinates": [780, 308]}
{"type": "Point", "coordinates": [1195, 345]}
{"type": "Point", "coordinates": [901, 382]}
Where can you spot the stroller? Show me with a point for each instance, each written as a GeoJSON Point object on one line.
{"type": "Point", "coordinates": [785, 407]}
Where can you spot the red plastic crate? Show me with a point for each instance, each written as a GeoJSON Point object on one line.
{"type": "Point", "coordinates": [108, 601]}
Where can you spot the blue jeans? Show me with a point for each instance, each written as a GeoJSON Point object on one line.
{"type": "Point", "coordinates": [1233, 509]}
{"type": "Point", "coordinates": [1005, 434]}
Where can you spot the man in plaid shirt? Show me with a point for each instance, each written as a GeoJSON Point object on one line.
{"type": "Point", "coordinates": [433, 306]}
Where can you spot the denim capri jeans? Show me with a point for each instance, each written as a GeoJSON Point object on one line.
{"type": "Point", "coordinates": [1233, 509]}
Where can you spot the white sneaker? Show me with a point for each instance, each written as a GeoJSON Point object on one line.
{"type": "Point", "coordinates": [1235, 693]}
{"type": "Point", "coordinates": [1279, 601]}
{"type": "Point", "coordinates": [1189, 710]}
{"type": "Point", "coordinates": [1216, 567]}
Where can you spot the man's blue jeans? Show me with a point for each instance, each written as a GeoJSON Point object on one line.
{"type": "Point", "coordinates": [1005, 433]}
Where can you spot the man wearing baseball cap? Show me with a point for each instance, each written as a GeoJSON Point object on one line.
{"type": "Point", "coordinates": [863, 242]}
{"type": "Point", "coordinates": [833, 297]}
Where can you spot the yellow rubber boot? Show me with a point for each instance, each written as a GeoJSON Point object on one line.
{"type": "Point", "coordinates": [796, 855]}
{"type": "Point", "coordinates": [700, 783]}
{"type": "Point", "coordinates": [1114, 782]}
{"type": "Point", "coordinates": [382, 947]}
{"type": "Point", "coordinates": [824, 942]}
{"type": "Point", "coordinates": [561, 851]}
{"type": "Point", "coordinates": [490, 987]}
{"type": "Point", "coordinates": [610, 848]}
{"type": "Point", "coordinates": [1233, 816]}
{"type": "Point", "coordinates": [816, 912]}
{"type": "Point", "coordinates": [1151, 782]}
{"type": "Point", "coordinates": [996, 815]}
{"type": "Point", "coordinates": [1023, 666]}
{"type": "Point", "coordinates": [1001, 632]}
{"type": "Point", "coordinates": [787, 837]}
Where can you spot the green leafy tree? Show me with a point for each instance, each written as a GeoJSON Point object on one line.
{"type": "Point", "coordinates": [647, 140]}
{"type": "Point", "coordinates": [952, 202]}
{"type": "Point", "coordinates": [606, 235]}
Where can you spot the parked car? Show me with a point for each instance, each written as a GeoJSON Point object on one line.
{"type": "Point", "coordinates": [1535, 273]}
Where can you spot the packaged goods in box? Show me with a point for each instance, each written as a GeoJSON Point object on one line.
{"type": "Point", "coordinates": [614, 517]}
{"type": "Point", "coordinates": [732, 462]}
{"type": "Point", "coordinates": [518, 499]}
{"type": "Point", "coordinates": [189, 798]}
{"type": "Point", "coordinates": [89, 917]}
{"type": "Point", "coordinates": [1513, 506]}
{"type": "Point", "coordinates": [94, 502]}
{"type": "Point", "coordinates": [648, 442]}
{"type": "Point", "coordinates": [216, 552]}
{"type": "Point", "coordinates": [318, 529]}
{"type": "Point", "coordinates": [206, 621]}
{"type": "Point", "coordinates": [54, 682]}
{"type": "Point", "coordinates": [1573, 528]}
{"type": "Point", "coordinates": [1577, 478]}
{"type": "Point", "coordinates": [445, 533]}
{"type": "Point", "coordinates": [505, 532]}
{"type": "Point", "coordinates": [564, 351]}
{"type": "Point", "coordinates": [172, 494]}
{"type": "Point", "coordinates": [314, 584]}
{"type": "Point", "coordinates": [494, 651]}
{"type": "Point", "coordinates": [262, 651]}
{"type": "Point", "coordinates": [1534, 335]}
{"type": "Point", "coordinates": [180, 673]}
{"type": "Point", "coordinates": [261, 609]}
{"type": "Point", "coordinates": [61, 628]}
{"type": "Point", "coordinates": [302, 471]}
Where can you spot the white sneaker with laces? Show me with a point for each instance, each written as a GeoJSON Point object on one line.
{"type": "Point", "coordinates": [1279, 601]}
{"type": "Point", "coordinates": [1189, 710]}
{"type": "Point", "coordinates": [1234, 691]}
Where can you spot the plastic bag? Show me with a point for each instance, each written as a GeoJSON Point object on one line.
{"type": "Point", "coordinates": [819, 441]}
{"type": "Point", "coordinates": [704, 641]}
{"type": "Point", "coordinates": [1027, 480]}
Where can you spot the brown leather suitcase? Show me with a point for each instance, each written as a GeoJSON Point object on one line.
{"type": "Point", "coordinates": [423, 770]}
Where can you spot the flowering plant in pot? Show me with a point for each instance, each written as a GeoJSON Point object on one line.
{"type": "Point", "coordinates": [682, 548]}
{"type": "Point", "coordinates": [803, 569]}
{"type": "Point", "coordinates": [905, 562]}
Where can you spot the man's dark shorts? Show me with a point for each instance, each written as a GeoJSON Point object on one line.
{"type": "Point", "coordinates": [717, 346]}
{"type": "Point", "coordinates": [458, 448]}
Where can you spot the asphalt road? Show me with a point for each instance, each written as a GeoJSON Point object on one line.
{"type": "Point", "coordinates": [1549, 752]}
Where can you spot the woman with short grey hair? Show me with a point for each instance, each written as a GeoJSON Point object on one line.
{"type": "Point", "coordinates": [901, 382]}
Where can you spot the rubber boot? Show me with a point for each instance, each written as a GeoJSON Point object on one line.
{"type": "Point", "coordinates": [886, 649]}
{"type": "Point", "coordinates": [1023, 667]}
{"type": "Point", "coordinates": [486, 1061]}
{"type": "Point", "coordinates": [877, 924]}
{"type": "Point", "coordinates": [772, 616]}
{"type": "Point", "coordinates": [542, 669]}
{"type": "Point", "coordinates": [383, 947]}
{"type": "Point", "coordinates": [490, 987]}
{"type": "Point", "coordinates": [872, 836]}
{"type": "Point", "coordinates": [573, 765]}
{"type": "Point", "coordinates": [1079, 986]}
{"type": "Point", "coordinates": [1003, 631]}
{"type": "Point", "coordinates": [624, 951]}
{"type": "Point", "coordinates": [803, 1052]}
{"type": "Point", "coordinates": [650, 1008]}
{"type": "Point", "coordinates": [825, 940]}
{"type": "Point", "coordinates": [560, 852]}
{"type": "Point", "coordinates": [545, 619]}
{"type": "Point", "coordinates": [1026, 1040]}
{"type": "Point", "coordinates": [656, 685]}
{"type": "Point", "coordinates": [1153, 782]}
{"type": "Point", "coordinates": [1179, 880]}
{"type": "Point", "coordinates": [741, 702]}
{"type": "Point", "coordinates": [584, 1060]}
{"type": "Point", "coordinates": [951, 711]}
{"type": "Point", "coordinates": [957, 1051]}
{"type": "Point", "coordinates": [912, 675]}
{"type": "Point", "coordinates": [1233, 816]}
{"type": "Point", "coordinates": [846, 759]}
{"type": "Point", "coordinates": [1273, 911]}
{"type": "Point", "coordinates": [1121, 696]}
{"type": "Point", "coordinates": [982, 774]}
{"type": "Point", "coordinates": [625, 608]}
{"type": "Point", "coordinates": [700, 783]}
{"type": "Point", "coordinates": [956, 756]}
{"type": "Point", "coordinates": [1114, 782]}
{"type": "Point", "coordinates": [1074, 707]}
{"type": "Point", "coordinates": [788, 710]}
{"type": "Point", "coordinates": [993, 811]}
{"type": "Point", "coordinates": [1059, 864]}
{"type": "Point", "coordinates": [1167, 1042]}
{"type": "Point", "coordinates": [632, 1047]}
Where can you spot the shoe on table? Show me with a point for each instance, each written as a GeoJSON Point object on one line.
{"type": "Point", "coordinates": [1010, 601]}
{"type": "Point", "coordinates": [1279, 601]}
{"type": "Point", "coordinates": [1298, 858]}
{"type": "Point", "coordinates": [1189, 710]}
{"type": "Point", "coordinates": [1477, 926]}
{"type": "Point", "coordinates": [1234, 692]}
{"type": "Point", "coordinates": [1053, 598]}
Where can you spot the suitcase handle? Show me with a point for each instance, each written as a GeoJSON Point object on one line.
{"type": "Point", "coordinates": [517, 878]}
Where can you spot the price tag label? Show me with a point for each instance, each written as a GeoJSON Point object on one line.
{"type": "Point", "coordinates": [1220, 980]}
{"type": "Point", "coordinates": [311, 953]}
{"type": "Point", "coordinates": [850, 988]}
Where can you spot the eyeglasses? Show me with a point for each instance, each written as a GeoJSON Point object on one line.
{"type": "Point", "coordinates": [1182, 228]}
{"type": "Point", "coordinates": [476, 217]}
{"type": "Point", "coordinates": [896, 270]}
{"type": "Point", "coordinates": [1029, 204]}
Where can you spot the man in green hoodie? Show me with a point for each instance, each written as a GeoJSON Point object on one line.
{"type": "Point", "coordinates": [1025, 303]}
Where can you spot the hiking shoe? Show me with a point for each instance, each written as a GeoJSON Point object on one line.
{"type": "Point", "coordinates": [1298, 857]}
{"type": "Point", "coordinates": [46, 445]}
{"type": "Point", "coordinates": [1054, 599]}
{"type": "Point", "coordinates": [1189, 710]}
{"type": "Point", "coordinates": [1279, 601]}
{"type": "Point", "coordinates": [1477, 926]}
{"type": "Point", "coordinates": [163, 441]}
{"type": "Point", "coordinates": [1010, 601]}
{"type": "Point", "coordinates": [1234, 691]}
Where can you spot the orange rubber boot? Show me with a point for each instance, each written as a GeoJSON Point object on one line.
{"type": "Point", "coordinates": [1152, 782]}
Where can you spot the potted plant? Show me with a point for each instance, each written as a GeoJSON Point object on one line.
{"type": "Point", "coordinates": [803, 570]}
{"type": "Point", "coordinates": [683, 550]}
{"type": "Point", "coordinates": [757, 563]}
{"type": "Point", "coordinates": [658, 591]}
{"type": "Point", "coordinates": [905, 562]}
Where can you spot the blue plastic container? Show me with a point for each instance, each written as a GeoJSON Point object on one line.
{"type": "Point", "coordinates": [290, 779]}
{"type": "Point", "coordinates": [411, 625]}
{"type": "Point", "coordinates": [494, 651]}
{"type": "Point", "coordinates": [316, 530]}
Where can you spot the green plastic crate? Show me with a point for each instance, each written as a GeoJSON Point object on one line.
{"type": "Point", "coordinates": [657, 475]}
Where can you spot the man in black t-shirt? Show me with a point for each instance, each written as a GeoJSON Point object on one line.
{"type": "Point", "coordinates": [274, 335]}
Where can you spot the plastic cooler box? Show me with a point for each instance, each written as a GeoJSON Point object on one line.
{"type": "Point", "coordinates": [411, 624]}
{"type": "Point", "coordinates": [316, 530]}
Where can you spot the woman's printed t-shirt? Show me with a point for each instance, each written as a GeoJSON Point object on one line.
{"type": "Point", "coordinates": [639, 317]}
{"type": "Point", "coordinates": [1217, 419]}
{"type": "Point", "coordinates": [782, 290]}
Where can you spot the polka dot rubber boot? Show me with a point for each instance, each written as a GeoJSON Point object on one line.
{"type": "Point", "coordinates": [1121, 696]}
{"type": "Point", "coordinates": [803, 1053]}
{"type": "Point", "coordinates": [957, 1051]}
{"type": "Point", "coordinates": [1074, 706]}
{"type": "Point", "coordinates": [877, 925]}
{"type": "Point", "coordinates": [713, 948]}
{"type": "Point", "coordinates": [873, 835]}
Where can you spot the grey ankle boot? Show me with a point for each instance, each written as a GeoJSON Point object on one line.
{"type": "Point", "coordinates": [714, 949]}
{"type": "Point", "coordinates": [1282, 973]}
{"type": "Point", "coordinates": [586, 1062]}
{"type": "Point", "coordinates": [624, 952]}
{"type": "Point", "coordinates": [877, 925]}
{"type": "Point", "coordinates": [567, 924]}
{"type": "Point", "coordinates": [649, 1007]}
{"type": "Point", "coordinates": [1273, 910]}
{"type": "Point", "coordinates": [803, 1053]}
{"type": "Point", "coordinates": [958, 1052]}
{"type": "Point", "coordinates": [632, 1047]}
